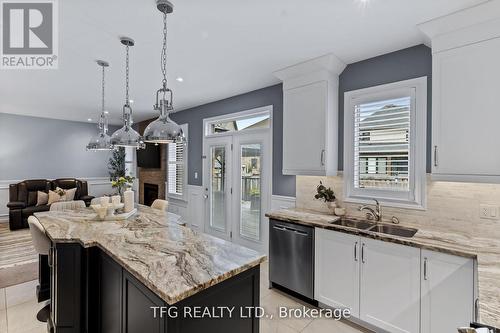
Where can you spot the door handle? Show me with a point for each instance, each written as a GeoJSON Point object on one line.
{"type": "Point", "coordinates": [363, 253]}
{"type": "Point", "coordinates": [205, 196]}
{"type": "Point", "coordinates": [322, 157]}
{"type": "Point", "coordinates": [356, 251]}
{"type": "Point", "coordinates": [435, 156]}
{"type": "Point", "coordinates": [425, 268]}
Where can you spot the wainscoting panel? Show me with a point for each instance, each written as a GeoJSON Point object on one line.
{"type": "Point", "coordinates": [196, 207]}
{"type": "Point", "coordinates": [98, 186]}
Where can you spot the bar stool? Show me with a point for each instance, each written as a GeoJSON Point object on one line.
{"type": "Point", "coordinates": [42, 245]}
{"type": "Point", "coordinates": [160, 204]}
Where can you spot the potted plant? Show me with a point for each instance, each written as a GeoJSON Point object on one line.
{"type": "Point", "coordinates": [121, 183]}
{"type": "Point", "coordinates": [325, 194]}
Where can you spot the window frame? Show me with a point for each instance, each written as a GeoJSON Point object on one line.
{"type": "Point", "coordinates": [415, 198]}
{"type": "Point", "coordinates": [174, 196]}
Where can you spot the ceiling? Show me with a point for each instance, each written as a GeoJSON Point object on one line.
{"type": "Point", "coordinates": [220, 48]}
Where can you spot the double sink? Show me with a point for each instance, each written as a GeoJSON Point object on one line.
{"type": "Point", "coordinates": [375, 227]}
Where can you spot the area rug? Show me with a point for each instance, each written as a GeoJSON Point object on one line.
{"type": "Point", "coordinates": [18, 258]}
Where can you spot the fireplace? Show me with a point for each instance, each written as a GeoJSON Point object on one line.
{"type": "Point", "coordinates": [150, 193]}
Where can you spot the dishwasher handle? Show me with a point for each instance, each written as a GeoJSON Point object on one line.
{"type": "Point", "coordinates": [283, 228]}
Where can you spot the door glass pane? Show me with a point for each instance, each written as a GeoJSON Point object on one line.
{"type": "Point", "coordinates": [217, 187]}
{"type": "Point", "coordinates": [250, 211]}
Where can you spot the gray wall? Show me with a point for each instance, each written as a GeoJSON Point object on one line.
{"type": "Point", "coordinates": [282, 185]}
{"type": "Point", "coordinates": [401, 65]}
{"type": "Point", "coordinates": [33, 147]}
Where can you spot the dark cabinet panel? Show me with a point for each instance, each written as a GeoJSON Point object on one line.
{"type": "Point", "coordinates": [66, 278]}
{"type": "Point", "coordinates": [110, 295]}
{"type": "Point", "coordinates": [137, 312]}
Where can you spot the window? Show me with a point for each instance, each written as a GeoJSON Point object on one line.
{"type": "Point", "coordinates": [242, 123]}
{"type": "Point", "coordinates": [385, 140]}
{"type": "Point", "coordinates": [177, 166]}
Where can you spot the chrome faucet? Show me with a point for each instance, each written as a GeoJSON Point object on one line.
{"type": "Point", "coordinates": [373, 214]}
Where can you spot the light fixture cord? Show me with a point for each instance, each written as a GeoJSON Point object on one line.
{"type": "Point", "coordinates": [164, 51]}
{"type": "Point", "coordinates": [104, 120]}
{"type": "Point", "coordinates": [103, 106]}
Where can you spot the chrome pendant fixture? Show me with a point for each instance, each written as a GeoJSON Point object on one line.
{"type": "Point", "coordinates": [164, 129]}
{"type": "Point", "coordinates": [127, 136]}
{"type": "Point", "coordinates": [102, 140]}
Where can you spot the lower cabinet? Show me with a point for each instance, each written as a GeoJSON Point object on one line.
{"type": "Point", "coordinates": [447, 292]}
{"type": "Point", "coordinates": [337, 270]}
{"type": "Point", "coordinates": [393, 287]}
{"type": "Point", "coordinates": [390, 286]}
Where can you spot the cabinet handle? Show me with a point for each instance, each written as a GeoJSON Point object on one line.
{"type": "Point", "coordinates": [363, 253]}
{"type": "Point", "coordinates": [322, 157]}
{"type": "Point", "coordinates": [425, 268]}
{"type": "Point", "coordinates": [435, 156]}
{"type": "Point", "coordinates": [49, 261]}
{"type": "Point", "coordinates": [356, 251]}
{"type": "Point", "coordinates": [476, 310]}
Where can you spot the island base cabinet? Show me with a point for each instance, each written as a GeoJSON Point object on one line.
{"type": "Point", "coordinates": [337, 270]}
{"type": "Point", "coordinates": [447, 292]}
{"type": "Point", "coordinates": [390, 286]}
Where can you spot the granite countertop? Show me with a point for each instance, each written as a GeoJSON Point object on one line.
{"type": "Point", "coordinates": [485, 250]}
{"type": "Point", "coordinates": [172, 260]}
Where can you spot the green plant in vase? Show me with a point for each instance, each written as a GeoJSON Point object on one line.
{"type": "Point", "coordinates": [121, 183]}
{"type": "Point", "coordinates": [325, 194]}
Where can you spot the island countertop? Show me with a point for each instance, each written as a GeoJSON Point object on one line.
{"type": "Point", "coordinates": [172, 260]}
{"type": "Point", "coordinates": [485, 250]}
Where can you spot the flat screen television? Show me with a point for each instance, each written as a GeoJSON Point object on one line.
{"type": "Point", "coordinates": [149, 158]}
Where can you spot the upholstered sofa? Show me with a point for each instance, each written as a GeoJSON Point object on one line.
{"type": "Point", "coordinates": [23, 197]}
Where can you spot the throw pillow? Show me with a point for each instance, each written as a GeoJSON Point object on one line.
{"type": "Point", "coordinates": [53, 197]}
{"type": "Point", "coordinates": [42, 198]}
{"type": "Point", "coordinates": [69, 195]}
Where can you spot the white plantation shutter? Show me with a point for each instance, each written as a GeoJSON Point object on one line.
{"type": "Point", "coordinates": [177, 165]}
{"type": "Point", "coordinates": [382, 144]}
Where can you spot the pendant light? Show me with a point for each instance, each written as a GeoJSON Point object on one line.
{"type": "Point", "coordinates": [102, 140]}
{"type": "Point", "coordinates": [164, 129]}
{"type": "Point", "coordinates": [127, 136]}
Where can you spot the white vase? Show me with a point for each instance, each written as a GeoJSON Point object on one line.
{"type": "Point", "coordinates": [331, 206]}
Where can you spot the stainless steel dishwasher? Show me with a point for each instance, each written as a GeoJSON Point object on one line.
{"type": "Point", "coordinates": [291, 257]}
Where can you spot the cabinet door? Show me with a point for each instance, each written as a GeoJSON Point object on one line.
{"type": "Point", "coordinates": [465, 111]}
{"type": "Point", "coordinates": [390, 286]}
{"type": "Point", "coordinates": [447, 292]}
{"type": "Point", "coordinates": [110, 295]}
{"type": "Point", "coordinates": [137, 313]}
{"type": "Point", "coordinates": [304, 129]}
{"type": "Point", "coordinates": [337, 270]}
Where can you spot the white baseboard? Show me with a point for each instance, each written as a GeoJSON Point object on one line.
{"type": "Point", "coordinates": [97, 186]}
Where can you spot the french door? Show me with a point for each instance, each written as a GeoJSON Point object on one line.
{"type": "Point", "coordinates": [237, 183]}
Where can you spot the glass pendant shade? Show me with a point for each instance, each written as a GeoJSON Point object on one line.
{"type": "Point", "coordinates": [164, 130]}
{"type": "Point", "coordinates": [101, 141]}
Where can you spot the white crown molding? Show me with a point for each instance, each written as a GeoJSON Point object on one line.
{"type": "Point", "coordinates": [328, 62]}
{"type": "Point", "coordinates": [463, 27]}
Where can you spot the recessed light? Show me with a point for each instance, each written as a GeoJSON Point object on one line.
{"type": "Point", "coordinates": [89, 120]}
{"type": "Point", "coordinates": [179, 79]}
{"type": "Point", "coordinates": [106, 112]}
{"type": "Point", "coordinates": [131, 101]}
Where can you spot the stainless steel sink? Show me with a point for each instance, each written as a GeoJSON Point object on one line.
{"type": "Point", "coordinates": [353, 223]}
{"type": "Point", "coordinates": [394, 230]}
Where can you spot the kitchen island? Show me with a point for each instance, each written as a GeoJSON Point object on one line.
{"type": "Point", "coordinates": [147, 274]}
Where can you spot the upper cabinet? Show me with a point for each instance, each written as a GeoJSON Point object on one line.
{"type": "Point", "coordinates": [465, 113]}
{"type": "Point", "coordinates": [310, 116]}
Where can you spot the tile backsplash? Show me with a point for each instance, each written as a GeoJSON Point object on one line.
{"type": "Point", "coordinates": [450, 205]}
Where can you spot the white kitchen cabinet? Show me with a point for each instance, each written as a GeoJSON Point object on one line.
{"type": "Point", "coordinates": [447, 292]}
{"type": "Point", "coordinates": [336, 276]}
{"type": "Point", "coordinates": [390, 286]}
{"type": "Point", "coordinates": [310, 116]}
{"type": "Point", "coordinates": [465, 86]}
{"type": "Point", "coordinates": [465, 113]}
